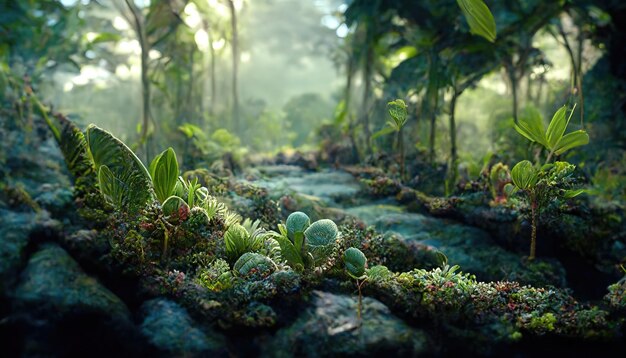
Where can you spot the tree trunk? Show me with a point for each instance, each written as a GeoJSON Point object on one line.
{"type": "Point", "coordinates": [401, 149]}
{"type": "Point", "coordinates": [513, 78]}
{"type": "Point", "coordinates": [433, 129]}
{"type": "Point", "coordinates": [533, 234]}
{"type": "Point", "coordinates": [367, 74]}
{"type": "Point", "coordinates": [453, 151]}
{"type": "Point", "coordinates": [213, 79]}
{"type": "Point", "coordinates": [145, 81]}
{"type": "Point", "coordinates": [346, 109]}
{"type": "Point", "coordinates": [235, 52]}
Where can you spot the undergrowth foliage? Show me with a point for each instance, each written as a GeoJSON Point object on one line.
{"type": "Point", "coordinates": [183, 242]}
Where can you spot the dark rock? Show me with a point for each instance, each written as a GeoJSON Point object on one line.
{"type": "Point", "coordinates": [171, 331]}
{"type": "Point", "coordinates": [55, 303]}
{"type": "Point", "coordinates": [329, 327]}
{"type": "Point", "coordinates": [58, 201]}
{"type": "Point", "coordinates": [14, 236]}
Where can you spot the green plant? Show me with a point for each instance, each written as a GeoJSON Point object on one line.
{"type": "Point", "coordinates": [553, 138]}
{"type": "Point", "coordinates": [216, 276]}
{"type": "Point", "coordinates": [239, 241]}
{"type": "Point", "coordinates": [123, 179]}
{"type": "Point", "coordinates": [164, 172]}
{"type": "Point", "coordinates": [499, 176]}
{"type": "Point", "coordinates": [398, 111]}
{"type": "Point", "coordinates": [254, 265]}
{"type": "Point", "coordinates": [303, 245]}
{"type": "Point", "coordinates": [356, 263]}
{"type": "Point", "coordinates": [541, 186]}
{"type": "Point", "coordinates": [549, 181]}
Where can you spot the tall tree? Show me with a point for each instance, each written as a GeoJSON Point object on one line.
{"type": "Point", "coordinates": [235, 52]}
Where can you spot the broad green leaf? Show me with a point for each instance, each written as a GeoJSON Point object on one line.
{"type": "Point", "coordinates": [386, 130]}
{"type": "Point", "coordinates": [164, 171]}
{"type": "Point", "coordinates": [571, 140]}
{"type": "Point", "coordinates": [355, 262]}
{"type": "Point", "coordinates": [110, 187]}
{"type": "Point", "coordinates": [397, 111]}
{"type": "Point", "coordinates": [153, 164]}
{"type": "Point", "coordinates": [106, 150]}
{"type": "Point", "coordinates": [530, 126]}
{"type": "Point", "coordinates": [479, 18]}
{"type": "Point", "coordinates": [557, 127]}
{"type": "Point", "coordinates": [524, 175]}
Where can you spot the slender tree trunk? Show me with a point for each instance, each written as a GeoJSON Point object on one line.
{"type": "Point", "coordinates": [145, 81]}
{"type": "Point", "coordinates": [580, 76]}
{"type": "Point", "coordinates": [367, 74]}
{"type": "Point", "coordinates": [190, 91]}
{"type": "Point", "coordinates": [213, 79]}
{"type": "Point", "coordinates": [235, 50]}
{"type": "Point", "coordinates": [539, 91]}
{"type": "Point", "coordinates": [346, 109]}
{"type": "Point", "coordinates": [514, 90]}
{"type": "Point", "coordinates": [401, 147]}
{"type": "Point", "coordinates": [533, 235]}
{"type": "Point", "coordinates": [453, 150]}
{"type": "Point", "coordinates": [433, 129]}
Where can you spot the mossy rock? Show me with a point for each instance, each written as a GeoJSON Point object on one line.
{"type": "Point", "coordinates": [172, 332]}
{"type": "Point", "coordinates": [58, 302]}
{"type": "Point", "coordinates": [329, 327]}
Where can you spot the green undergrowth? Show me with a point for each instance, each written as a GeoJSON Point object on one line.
{"type": "Point", "coordinates": [177, 237]}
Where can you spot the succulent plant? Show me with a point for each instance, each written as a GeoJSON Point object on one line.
{"type": "Point", "coordinates": [320, 239]}
{"type": "Point", "coordinates": [239, 241]}
{"type": "Point", "coordinates": [355, 262]}
{"type": "Point", "coordinates": [254, 266]}
{"type": "Point", "coordinates": [296, 224]}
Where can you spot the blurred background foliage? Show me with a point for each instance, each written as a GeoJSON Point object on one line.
{"type": "Point", "coordinates": [236, 78]}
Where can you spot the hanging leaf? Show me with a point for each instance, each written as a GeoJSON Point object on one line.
{"type": "Point", "coordinates": [479, 18]}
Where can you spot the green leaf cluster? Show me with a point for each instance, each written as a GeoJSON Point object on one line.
{"type": "Point", "coordinates": [306, 245]}
{"type": "Point", "coordinates": [239, 241]}
{"type": "Point", "coordinates": [553, 138]}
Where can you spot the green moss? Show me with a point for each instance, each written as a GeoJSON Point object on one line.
{"type": "Point", "coordinates": [543, 323]}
